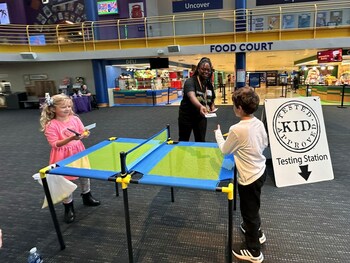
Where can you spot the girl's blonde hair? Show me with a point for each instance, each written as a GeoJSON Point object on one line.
{"type": "Point", "coordinates": [47, 110]}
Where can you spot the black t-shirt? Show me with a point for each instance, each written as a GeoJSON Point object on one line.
{"type": "Point", "coordinates": [205, 96]}
{"type": "Point", "coordinates": [85, 91]}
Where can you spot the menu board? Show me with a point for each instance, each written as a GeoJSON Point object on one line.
{"type": "Point", "coordinates": [331, 55]}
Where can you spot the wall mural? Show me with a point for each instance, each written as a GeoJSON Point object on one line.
{"type": "Point", "coordinates": [4, 14]}
{"type": "Point", "coordinates": [136, 10]}
{"type": "Point", "coordinates": [58, 11]}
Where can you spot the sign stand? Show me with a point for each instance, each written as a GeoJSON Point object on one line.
{"type": "Point", "coordinates": [342, 97]}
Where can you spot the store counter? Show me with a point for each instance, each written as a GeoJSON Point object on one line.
{"type": "Point", "coordinates": [144, 97]}
{"type": "Point", "coordinates": [326, 93]}
{"type": "Point", "coordinates": [82, 104]}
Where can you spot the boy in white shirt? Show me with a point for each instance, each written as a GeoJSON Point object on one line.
{"type": "Point", "coordinates": [247, 140]}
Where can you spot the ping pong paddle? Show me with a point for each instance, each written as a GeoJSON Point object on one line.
{"type": "Point", "coordinates": [73, 131]}
{"type": "Point", "coordinates": [91, 126]}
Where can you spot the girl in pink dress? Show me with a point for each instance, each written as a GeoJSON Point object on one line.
{"type": "Point", "coordinates": [57, 117]}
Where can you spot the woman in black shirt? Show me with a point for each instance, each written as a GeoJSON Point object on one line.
{"type": "Point", "coordinates": [198, 100]}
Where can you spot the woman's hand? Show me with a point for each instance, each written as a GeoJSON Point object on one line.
{"type": "Point", "coordinates": [212, 106]}
{"type": "Point", "coordinates": [203, 110]}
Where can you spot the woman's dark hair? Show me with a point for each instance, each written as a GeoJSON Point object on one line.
{"type": "Point", "coordinates": [200, 63]}
{"type": "Point", "coordinates": [247, 98]}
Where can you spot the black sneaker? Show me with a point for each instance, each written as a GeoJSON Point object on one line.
{"type": "Point", "coordinates": [248, 254]}
{"type": "Point", "coordinates": [262, 237]}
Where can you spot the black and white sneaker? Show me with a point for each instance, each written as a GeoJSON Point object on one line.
{"type": "Point", "coordinates": [262, 237]}
{"type": "Point", "coordinates": [248, 254]}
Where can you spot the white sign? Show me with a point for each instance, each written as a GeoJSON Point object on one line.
{"type": "Point", "coordinates": [240, 75]}
{"type": "Point", "coordinates": [298, 141]}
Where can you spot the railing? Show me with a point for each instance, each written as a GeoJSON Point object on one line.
{"type": "Point", "coordinates": [312, 18]}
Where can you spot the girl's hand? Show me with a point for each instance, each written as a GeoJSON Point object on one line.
{"type": "Point", "coordinates": [77, 137]}
{"type": "Point", "coordinates": [218, 128]}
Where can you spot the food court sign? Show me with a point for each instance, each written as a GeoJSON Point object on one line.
{"type": "Point", "coordinates": [298, 141]}
{"type": "Point", "coordinates": [242, 47]}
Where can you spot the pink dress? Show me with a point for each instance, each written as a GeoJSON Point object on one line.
{"type": "Point", "coordinates": [57, 130]}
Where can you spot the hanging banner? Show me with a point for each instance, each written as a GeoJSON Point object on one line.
{"type": "Point", "coordinates": [298, 141]}
{"type": "Point", "coordinates": [277, 2]}
{"type": "Point", "coordinates": [196, 5]}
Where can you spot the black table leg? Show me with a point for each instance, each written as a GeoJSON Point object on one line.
{"type": "Point", "coordinates": [53, 213]}
{"type": "Point", "coordinates": [127, 224]}
{"type": "Point", "coordinates": [229, 234]}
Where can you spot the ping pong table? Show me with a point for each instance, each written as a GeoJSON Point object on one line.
{"type": "Point", "coordinates": [154, 161]}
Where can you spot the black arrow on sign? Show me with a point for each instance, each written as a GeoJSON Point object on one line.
{"type": "Point", "coordinates": [304, 171]}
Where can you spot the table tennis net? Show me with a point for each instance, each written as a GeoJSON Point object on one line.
{"type": "Point", "coordinates": [142, 150]}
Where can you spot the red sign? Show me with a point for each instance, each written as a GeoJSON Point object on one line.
{"type": "Point", "coordinates": [332, 55]}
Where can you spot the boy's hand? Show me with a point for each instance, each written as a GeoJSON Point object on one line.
{"type": "Point", "coordinates": [218, 128]}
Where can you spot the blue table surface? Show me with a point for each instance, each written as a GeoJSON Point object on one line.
{"type": "Point", "coordinates": [145, 165]}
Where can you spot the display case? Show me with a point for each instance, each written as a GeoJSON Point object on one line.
{"type": "Point", "coordinates": [144, 97]}
{"type": "Point", "coordinates": [126, 83]}
{"type": "Point", "coordinates": [144, 83]}
{"type": "Point", "coordinates": [326, 93]}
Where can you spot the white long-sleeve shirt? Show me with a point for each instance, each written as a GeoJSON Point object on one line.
{"type": "Point", "coordinates": [246, 140]}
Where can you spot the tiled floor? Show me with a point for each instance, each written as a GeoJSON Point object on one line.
{"type": "Point", "coordinates": [266, 93]}
{"type": "Point", "coordinates": [303, 224]}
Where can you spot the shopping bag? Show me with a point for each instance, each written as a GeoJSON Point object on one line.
{"type": "Point", "coordinates": [59, 187]}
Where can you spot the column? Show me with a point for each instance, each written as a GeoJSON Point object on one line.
{"type": "Point", "coordinates": [240, 56]}
{"type": "Point", "coordinates": [98, 65]}
{"type": "Point", "coordinates": [92, 15]}
{"type": "Point", "coordinates": [99, 71]}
